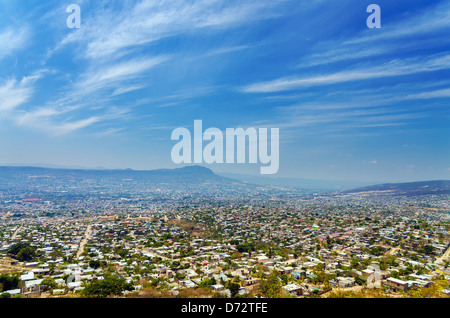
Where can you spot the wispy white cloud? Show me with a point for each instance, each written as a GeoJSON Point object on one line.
{"type": "Point", "coordinates": [115, 75]}
{"type": "Point", "coordinates": [393, 68]}
{"type": "Point", "coordinates": [14, 93]}
{"type": "Point", "coordinates": [56, 115]}
{"type": "Point", "coordinates": [68, 127]}
{"type": "Point", "coordinates": [225, 50]}
{"type": "Point", "coordinates": [113, 32]}
{"type": "Point", "coordinates": [109, 132]}
{"type": "Point", "coordinates": [127, 89]}
{"type": "Point", "coordinates": [342, 54]}
{"type": "Point", "coordinates": [441, 93]}
{"type": "Point", "coordinates": [43, 119]}
{"type": "Point", "coordinates": [13, 40]}
{"type": "Point", "coordinates": [59, 121]}
{"type": "Point", "coordinates": [393, 38]}
{"type": "Point", "coordinates": [247, 12]}
{"type": "Point", "coordinates": [110, 39]}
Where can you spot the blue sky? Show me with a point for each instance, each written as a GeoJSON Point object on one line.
{"type": "Point", "coordinates": [351, 102]}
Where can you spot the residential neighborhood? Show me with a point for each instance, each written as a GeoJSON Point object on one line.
{"type": "Point", "coordinates": [283, 246]}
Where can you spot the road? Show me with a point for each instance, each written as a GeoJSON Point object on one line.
{"type": "Point", "coordinates": [393, 250]}
{"type": "Point", "coordinates": [87, 236]}
{"type": "Point", "coordinates": [445, 256]}
{"type": "Point", "coordinates": [16, 231]}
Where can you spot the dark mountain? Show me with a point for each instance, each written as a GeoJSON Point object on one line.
{"type": "Point", "coordinates": [185, 175]}
{"type": "Point", "coordinates": [407, 188]}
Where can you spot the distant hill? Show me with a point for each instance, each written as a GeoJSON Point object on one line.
{"type": "Point", "coordinates": [185, 175]}
{"type": "Point", "coordinates": [298, 183]}
{"type": "Point", "coordinates": [407, 188]}
{"type": "Point", "coordinates": [197, 175]}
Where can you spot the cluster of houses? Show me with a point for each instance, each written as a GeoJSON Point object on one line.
{"type": "Point", "coordinates": [155, 246]}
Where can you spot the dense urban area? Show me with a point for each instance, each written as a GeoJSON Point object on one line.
{"type": "Point", "coordinates": [70, 238]}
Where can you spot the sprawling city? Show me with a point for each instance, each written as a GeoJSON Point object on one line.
{"type": "Point", "coordinates": [211, 156]}
{"type": "Point", "coordinates": [73, 233]}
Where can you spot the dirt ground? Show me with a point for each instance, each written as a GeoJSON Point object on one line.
{"type": "Point", "coordinates": [84, 241]}
{"type": "Point", "coordinates": [444, 257]}
{"type": "Point", "coordinates": [6, 267]}
{"type": "Point", "coordinates": [370, 293]}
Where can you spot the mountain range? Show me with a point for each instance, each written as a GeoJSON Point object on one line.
{"type": "Point", "coordinates": [406, 188]}
{"type": "Point", "coordinates": [187, 175]}
{"type": "Point", "coordinates": [192, 175]}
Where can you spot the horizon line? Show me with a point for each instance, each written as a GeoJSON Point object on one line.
{"type": "Point", "coordinates": [62, 167]}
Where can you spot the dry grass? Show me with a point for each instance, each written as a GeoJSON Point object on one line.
{"type": "Point", "coordinates": [359, 293]}
{"type": "Point", "coordinates": [150, 292]}
{"type": "Point", "coordinates": [190, 227]}
{"type": "Point", "coordinates": [6, 267]}
{"type": "Point", "coordinates": [195, 293]}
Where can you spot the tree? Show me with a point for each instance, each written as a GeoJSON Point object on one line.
{"type": "Point", "coordinates": [271, 252]}
{"type": "Point", "coordinates": [270, 286]}
{"type": "Point", "coordinates": [26, 254]}
{"type": "Point", "coordinates": [56, 253]}
{"type": "Point", "coordinates": [180, 276]}
{"type": "Point", "coordinates": [175, 264]}
{"type": "Point", "coordinates": [360, 281]}
{"type": "Point", "coordinates": [94, 264]}
{"type": "Point", "coordinates": [236, 255]}
{"type": "Point", "coordinates": [123, 253]}
{"type": "Point", "coordinates": [246, 247]}
{"type": "Point", "coordinates": [394, 274]}
{"type": "Point", "coordinates": [106, 287]}
{"type": "Point", "coordinates": [49, 282]}
{"type": "Point", "coordinates": [17, 247]}
{"type": "Point", "coordinates": [8, 282]}
{"type": "Point", "coordinates": [234, 288]}
{"type": "Point", "coordinates": [377, 251]}
{"type": "Point", "coordinates": [207, 282]}
{"type": "Point", "coordinates": [428, 249]}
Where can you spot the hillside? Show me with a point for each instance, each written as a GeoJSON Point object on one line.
{"type": "Point", "coordinates": [185, 175]}
{"type": "Point", "coordinates": [406, 188]}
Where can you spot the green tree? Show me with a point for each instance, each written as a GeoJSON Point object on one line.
{"type": "Point", "coordinates": [26, 254]}
{"type": "Point", "coordinates": [394, 274]}
{"type": "Point", "coordinates": [428, 249]}
{"type": "Point", "coordinates": [49, 282]}
{"type": "Point", "coordinates": [207, 282]}
{"type": "Point", "coordinates": [123, 253]}
{"type": "Point", "coordinates": [94, 264]}
{"type": "Point", "coordinates": [15, 249]}
{"type": "Point", "coordinates": [8, 282]}
{"type": "Point", "coordinates": [180, 276]}
{"type": "Point", "coordinates": [175, 264]}
{"type": "Point", "coordinates": [106, 287]}
{"type": "Point", "coordinates": [360, 281]}
{"type": "Point", "coordinates": [234, 289]}
{"type": "Point", "coordinates": [284, 278]}
{"type": "Point", "coordinates": [270, 286]}
{"type": "Point", "coordinates": [271, 252]}
{"type": "Point", "coordinates": [377, 251]}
